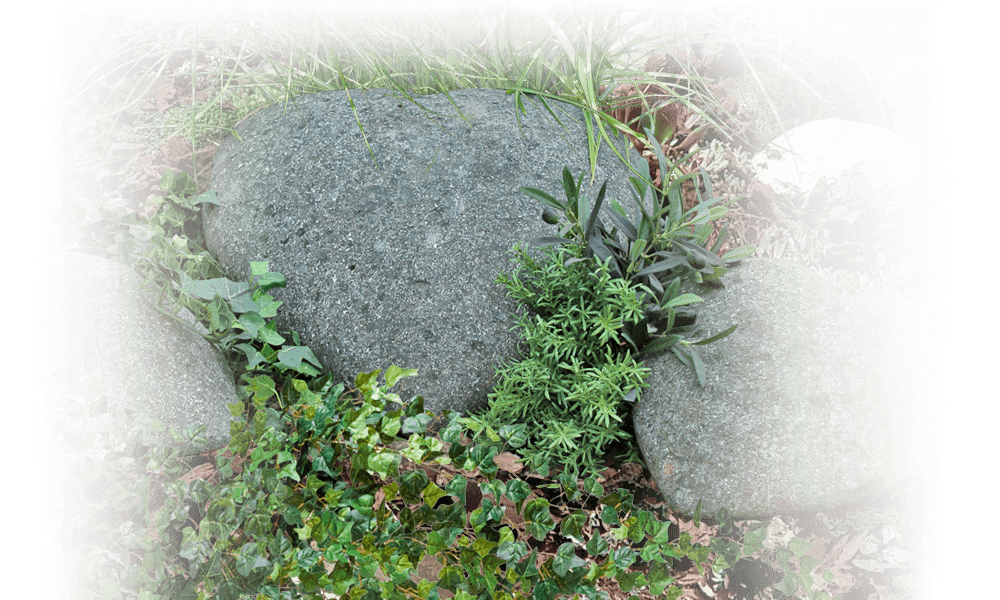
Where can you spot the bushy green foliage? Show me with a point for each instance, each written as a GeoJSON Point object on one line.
{"type": "Point", "coordinates": [566, 395]}
{"type": "Point", "coordinates": [322, 503]}
{"type": "Point", "coordinates": [656, 255]}
{"type": "Point", "coordinates": [320, 455]}
{"type": "Point", "coordinates": [595, 305]}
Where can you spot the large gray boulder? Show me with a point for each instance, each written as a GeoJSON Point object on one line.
{"type": "Point", "coordinates": [395, 263]}
{"type": "Point", "coordinates": [812, 404]}
{"type": "Point", "coordinates": [121, 361]}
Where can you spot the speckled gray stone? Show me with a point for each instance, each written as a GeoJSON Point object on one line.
{"type": "Point", "coordinates": [121, 358]}
{"type": "Point", "coordinates": [811, 404]}
{"type": "Point", "coordinates": [396, 264]}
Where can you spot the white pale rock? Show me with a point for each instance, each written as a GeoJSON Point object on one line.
{"type": "Point", "coordinates": [794, 162]}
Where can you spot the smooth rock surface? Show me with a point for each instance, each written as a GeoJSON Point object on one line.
{"type": "Point", "coordinates": [829, 146]}
{"type": "Point", "coordinates": [396, 264]}
{"type": "Point", "coordinates": [123, 360]}
{"type": "Point", "coordinates": [893, 45]}
{"type": "Point", "coordinates": [812, 403]}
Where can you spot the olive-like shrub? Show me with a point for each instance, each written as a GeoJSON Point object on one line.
{"type": "Point", "coordinates": [594, 304]}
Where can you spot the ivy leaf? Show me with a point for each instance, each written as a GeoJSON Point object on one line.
{"type": "Point", "coordinates": [538, 518]}
{"type": "Point", "coordinates": [293, 356]}
{"type": "Point", "coordinates": [566, 559]}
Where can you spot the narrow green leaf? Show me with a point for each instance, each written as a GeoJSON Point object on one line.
{"type": "Point", "coordinates": [682, 300]}
{"type": "Point", "coordinates": [572, 193]}
{"type": "Point", "coordinates": [660, 158]}
{"type": "Point", "coordinates": [717, 336]}
{"type": "Point", "coordinates": [659, 345]}
{"type": "Point", "coordinates": [583, 211]}
{"type": "Point", "coordinates": [635, 253]}
{"type": "Point", "coordinates": [675, 201]}
{"type": "Point", "coordinates": [544, 198]}
{"type": "Point", "coordinates": [662, 265]}
{"type": "Point", "coordinates": [720, 239]}
{"type": "Point", "coordinates": [739, 253]}
{"type": "Point", "coordinates": [699, 366]}
{"type": "Point", "coordinates": [683, 353]}
{"type": "Point", "coordinates": [592, 220]}
{"type": "Point", "coordinates": [622, 223]}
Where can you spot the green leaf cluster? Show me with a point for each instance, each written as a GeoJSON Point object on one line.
{"type": "Point", "coordinates": [321, 504]}
{"type": "Point", "coordinates": [567, 396]}
{"type": "Point", "coordinates": [169, 252]}
{"type": "Point", "coordinates": [595, 303]}
{"type": "Point", "coordinates": [664, 249]}
{"type": "Point", "coordinates": [323, 491]}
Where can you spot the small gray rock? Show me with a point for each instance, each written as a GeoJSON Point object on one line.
{"type": "Point", "coordinates": [121, 358]}
{"type": "Point", "coordinates": [811, 404]}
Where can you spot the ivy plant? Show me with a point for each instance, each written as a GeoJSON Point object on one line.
{"type": "Point", "coordinates": [333, 490]}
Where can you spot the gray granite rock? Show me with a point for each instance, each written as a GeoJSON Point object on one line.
{"type": "Point", "coordinates": [812, 404]}
{"type": "Point", "coordinates": [395, 263]}
{"type": "Point", "coordinates": [123, 360]}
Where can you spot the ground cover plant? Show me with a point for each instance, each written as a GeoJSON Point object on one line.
{"type": "Point", "coordinates": [188, 526]}
{"type": "Point", "coordinates": [326, 491]}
